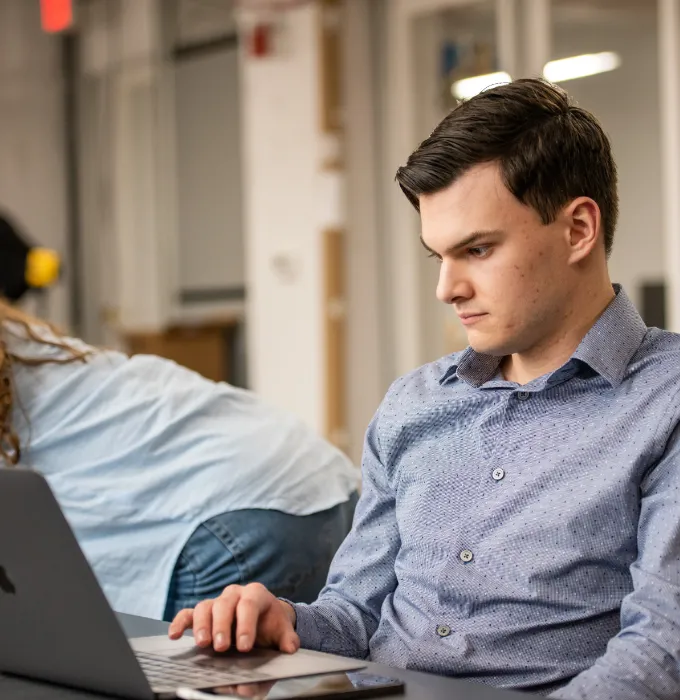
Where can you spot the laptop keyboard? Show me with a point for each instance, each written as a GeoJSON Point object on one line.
{"type": "Point", "coordinates": [166, 674]}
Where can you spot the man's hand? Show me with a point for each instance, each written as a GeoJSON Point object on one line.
{"type": "Point", "coordinates": [256, 616]}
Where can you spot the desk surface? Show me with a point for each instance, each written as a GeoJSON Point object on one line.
{"type": "Point", "coordinates": [419, 686]}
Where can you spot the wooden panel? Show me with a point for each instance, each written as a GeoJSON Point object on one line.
{"type": "Point", "coordinates": [330, 51]}
{"type": "Point", "coordinates": [203, 349]}
{"type": "Point", "coordinates": [335, 326]}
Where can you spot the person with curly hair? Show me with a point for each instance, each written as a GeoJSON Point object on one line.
{"type": "Point", "coordinates": [175, 486]}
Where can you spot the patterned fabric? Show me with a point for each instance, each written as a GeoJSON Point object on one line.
{"type": "Point", "coordinates": [522, 536]}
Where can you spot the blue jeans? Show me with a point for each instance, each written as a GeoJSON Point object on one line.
{"type": "Point", "coordinates": [289, 554]}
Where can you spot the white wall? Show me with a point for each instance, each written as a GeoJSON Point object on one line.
{"type": "Point", "coordinates": [288, 201]}
{"type": "Point", "coordinates": [369, 370]}
{"type": "Point", "coordinates": [32, 139]}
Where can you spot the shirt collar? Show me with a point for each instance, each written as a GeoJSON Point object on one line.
{"type": "Point", "coordinates": [610, 344]}
{"type": "Point", "coordinates": [607, 348]}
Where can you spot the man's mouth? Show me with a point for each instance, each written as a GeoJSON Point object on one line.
{"type": "Point", "coordinates": [468, 319]}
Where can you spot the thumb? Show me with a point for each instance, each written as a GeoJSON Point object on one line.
{"type": "Point", "coordinates": [290, 642]}
{"type": "Point", "coordinates": [284, 633]}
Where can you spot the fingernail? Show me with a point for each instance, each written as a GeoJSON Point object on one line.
{"type": "Point", "coordinates": [202, 636]}
{"type": "Point", "coordinates": [243, 641]}
{"type": "Point", "coordinates": [219, 639]}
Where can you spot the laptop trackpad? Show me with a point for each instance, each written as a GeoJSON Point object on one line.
{"type": "Point", "coordinates": [253, 666]}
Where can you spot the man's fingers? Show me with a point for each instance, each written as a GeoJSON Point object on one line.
{"type": "Point", "coordinates": [182, 622]}
{"type": "Point", "coordinates": [203, 623]}
{"type": "Point", "coordinates": [290, 642]}
{"type": "Point", "coordinates": [248, 611]}
{"type": "Point", "coordinates": [287, 640]}
{"type": "Point", "coordinates": [223, 614]}
{"type": "Point", "coordinates": [251, 610]}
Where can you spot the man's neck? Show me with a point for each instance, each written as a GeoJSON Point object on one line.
{"type": "Point", "coordinates": [555, 350]}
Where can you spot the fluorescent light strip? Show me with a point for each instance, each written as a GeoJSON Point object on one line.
{"type": "Point", "coordinates": [554, 71]}
{"type": "Point", "coordinates": [469, 87]}
{"type": "Point", "coordinates": [581, 66]}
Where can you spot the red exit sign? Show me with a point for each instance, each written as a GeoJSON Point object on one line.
{"type": "Point", "coordinates": [56, 15]}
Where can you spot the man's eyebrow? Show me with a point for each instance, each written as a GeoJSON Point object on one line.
{"type": "Point", "coordinates": [466, 242]}
{"type": "Point", "coordinates": [427, 247]}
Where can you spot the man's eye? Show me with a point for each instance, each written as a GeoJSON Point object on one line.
{"type": "Point", "coordinates": [435, 256]}
{"type": "Point", "coordinates": [480, 252]}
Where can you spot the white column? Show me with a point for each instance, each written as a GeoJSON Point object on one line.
{"type": "Point", "coordinates": [288, 201]}
{"type": "Point", "coordinates": [669, 79]}
{"type": "Point", "coordinates": [123, 48]}
{"type": "Point", "coordinates": [537, 39]}
{"type": "Point", "coordinates": [145, 234]}
{"type": "Point", "coordinates": [402, 224]}
{"type": "Point", "coordinates": [365, 356]}
{"type": "Point", "coordinates": [506, 36]}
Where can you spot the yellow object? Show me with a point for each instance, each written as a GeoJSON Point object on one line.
{"type": "Point", "coordinates": [42, 267]}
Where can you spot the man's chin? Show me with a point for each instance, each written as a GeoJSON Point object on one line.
{"type": "Point", "coordinates": [484, 345]}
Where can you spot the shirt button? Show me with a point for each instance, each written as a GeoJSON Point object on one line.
{"type": "Point", "coordinates": [466, 556]}
{"type": "Point", "coordinates": [523, 395]}
{"type": "Point", "coordinates": [443, 630]}
{"type": "Point", "coordinates": [497, 474]}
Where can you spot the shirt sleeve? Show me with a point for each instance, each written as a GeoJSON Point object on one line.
{"type": "Point", "coordinates": [347, 612]}
{"type": "Point", "coordinates": [643, 661]}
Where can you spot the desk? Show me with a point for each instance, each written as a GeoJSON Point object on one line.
{"type": "Point", "coordinates": [419, 686]}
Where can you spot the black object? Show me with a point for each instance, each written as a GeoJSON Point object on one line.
{"type": "Point", "coordinates": [654, 303]}
{"type": "Point", "coordinates": [23, 265]}
{"type": "Point", "coordinates": [13, 253]}
{"type": "Point", "coordinates": [57, 625]}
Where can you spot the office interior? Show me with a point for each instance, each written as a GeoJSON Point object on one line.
{"type": "Point", "coordinates": [218, 175]}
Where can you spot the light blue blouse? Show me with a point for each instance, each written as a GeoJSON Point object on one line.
{"type": "Point", "coordinates": [139, 451]}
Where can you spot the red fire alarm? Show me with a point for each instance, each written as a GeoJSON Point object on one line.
{"type": "Point", "coordinates": [260, 40]}
{"type": "Point", "coordinates": [56, 15]}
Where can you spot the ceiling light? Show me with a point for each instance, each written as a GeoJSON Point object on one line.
{"type": "Point", "coordinates": [469, 87]}
{"type": "Point", "coordinates": [581, 66]}
{"type": "Point", "coordinates": [555, 71]}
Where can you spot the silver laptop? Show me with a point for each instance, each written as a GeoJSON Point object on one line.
{"type": "Point", "coordinates": [56, 624]}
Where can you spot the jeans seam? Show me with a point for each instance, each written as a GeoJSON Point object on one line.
{"type": "Point", "coordinates": [230, 542]}
{"type": "Point", "coordinates": [187, 563]}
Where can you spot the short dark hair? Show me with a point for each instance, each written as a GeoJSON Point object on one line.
{"type": "Point", "coordinates": [549, 151]}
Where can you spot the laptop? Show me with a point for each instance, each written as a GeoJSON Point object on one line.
{"type": "Point", "coordinates": [56, 624]}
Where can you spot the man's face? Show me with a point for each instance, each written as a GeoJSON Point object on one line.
{"type": "Point", "coordinates": [504, 272]}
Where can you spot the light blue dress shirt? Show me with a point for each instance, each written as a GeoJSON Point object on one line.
{"type": "Point", "coordinates": [525, 536]}
{"type": "Point", "coordinates": [140, 451]}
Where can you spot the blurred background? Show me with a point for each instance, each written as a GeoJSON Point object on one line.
{"type": "Point", "coordinates": [217, 176]}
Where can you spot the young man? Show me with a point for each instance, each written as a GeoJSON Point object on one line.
{"type": "Point", "coordinates": [519, 523]}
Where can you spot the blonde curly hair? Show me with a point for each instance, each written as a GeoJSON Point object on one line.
{"type": "Point", "coordinates": [34, 329]}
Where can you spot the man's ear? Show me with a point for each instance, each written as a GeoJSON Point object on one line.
{"type": "Point", "coordinates": [584, 228]}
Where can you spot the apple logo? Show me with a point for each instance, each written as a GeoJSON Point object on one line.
{"type": "Point", "coordinates": [6, 584]}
